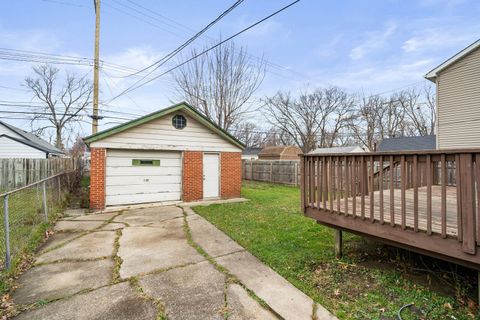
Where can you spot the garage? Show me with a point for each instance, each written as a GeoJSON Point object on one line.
{"type": "Point", "coordinates": [174, 154]}
{"type": "Point", "coordinates": [136, 176]}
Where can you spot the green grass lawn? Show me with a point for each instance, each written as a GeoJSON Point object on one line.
{"type": "Point", "coordinates": [372, 281]}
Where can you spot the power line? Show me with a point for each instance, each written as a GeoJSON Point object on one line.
{"type": "Point", "coordinates": [43, 57]}
{"type": "Point", "coordinates": [185, 27]}
{"type": "Point", "coordinates": [157, 64]}
{"type": "Point", "coordinates": [169, 56]}
{"type": "Point", "coordinates": [209, 49]}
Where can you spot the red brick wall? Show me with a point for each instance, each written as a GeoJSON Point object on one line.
{"type": "Point", "coordinates": [97, 178]}
{"type": "Point", "coordinates": [192, 175]}
{"type": "Point", "coordinates": [231, 174]}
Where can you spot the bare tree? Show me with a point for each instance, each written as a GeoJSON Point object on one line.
{"type": "Point", "coordinates": [421, 110]}
{"type": "Point", "coordinates": [220, 83]}
{"type": "Point", "coordinates": [78, 148]}
{"type": "Point", "coordinates": [62, 103]}
{"type": "Point", "coordinates": [277, 137]}
{"type": "Point", "coordinates": [313, 119]}
{"type": "Point", "coordinates": [363, 125]}
{"type": "Point", "coordinates": [249, 133]}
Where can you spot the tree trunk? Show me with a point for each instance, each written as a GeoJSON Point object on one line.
{"type": "Point", "coordinates": [58, 139]}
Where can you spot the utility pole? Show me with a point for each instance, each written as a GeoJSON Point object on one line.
{"type": "Point", "coordinates": [96, 66]}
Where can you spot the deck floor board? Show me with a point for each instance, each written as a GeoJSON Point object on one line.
{"type": "Point", "coordinates": [451, 211]}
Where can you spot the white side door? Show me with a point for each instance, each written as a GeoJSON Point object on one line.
{"type": "Point", "coordinates": [211, 175]}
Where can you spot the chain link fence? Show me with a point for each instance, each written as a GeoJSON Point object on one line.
{"type": "Point", "coordinates": [28, 211]}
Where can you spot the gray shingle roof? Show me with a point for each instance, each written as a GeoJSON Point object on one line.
{"type": "Point", "coordinates": [349, 149]}
{"type": "Point", "coordinates": [34, 140]}
{"type": "Point", "coordinates": [249, 151]}
{"type": "Point", "coordinates": [408, 143]}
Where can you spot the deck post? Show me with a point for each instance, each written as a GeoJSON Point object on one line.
{"type": "Point", "coordinates": [338, 243]}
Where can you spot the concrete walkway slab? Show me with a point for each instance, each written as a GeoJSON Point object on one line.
{"type": "Point", "coordinates": [113, 226]}
{"type": "Point", "coordinates": [96, 217]}
{"type": "Point", "coordinates": [146, 249]}
{"type": "Point", "coordinates": [278, 293]}
{"type": "Point", "coordinates": [211, 239]}
{"type": "Point", "coordinates": [142, 217]}
{"type": "Point", "coordinates": [241, 306]}
{"type": "Point", "coordinates": [57, 280]}
{"type": "Point", "coordinates": [191, 292]}
{"type": "Point", "coordinates": [73, 212]}
{"type": "Point", "coordinates": [90, 246]}
{"type": "Point", "coordinates": [57, 239]}
{"type": "Point", "coordinates": [71, 225]}
{"type": "Point", "coordinates": [116, 302]}
{"type": "Point", "coordinates": [153, 246]}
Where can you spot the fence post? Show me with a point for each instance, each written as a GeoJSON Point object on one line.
{"type": "Point", "coordinates": [271, 172]}
{"type": "Point", "coordinates": [7, 232]}
{"type": "Point", "coordinates": [45, 207]}
{"type": "Point", "coordinates": [59, 189]}
{"type": "Point", "coordinates": [296, 174]}
{"type": "Point", "coordinates": [251, 170]}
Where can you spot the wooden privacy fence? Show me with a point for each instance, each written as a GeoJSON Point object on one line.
{"type": "Point", "coordinates": [274, 171]}
{"type": "Point", "coordinates": [16, 173]}
{"type": "Point", "coordinates": [424, 208]}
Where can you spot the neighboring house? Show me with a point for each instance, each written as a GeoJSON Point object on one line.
{"type": "Point", "coordinates": [16, 143]}
{"type": "Point", "coordinates": [349, 149]}
{"type": "Point", "coordinates": [175, 154]}
{"type": "Point", "coordinates": [458, 99]}
{"type": "Point", "coordinates": [280, 153]}
{"type": "Point", "coordinates": [250, 153]}
{"type": "Point", "coordinates": [408, 143]}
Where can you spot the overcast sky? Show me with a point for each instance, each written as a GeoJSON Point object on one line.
{"type": "Point", "coordinates": [361, 46]}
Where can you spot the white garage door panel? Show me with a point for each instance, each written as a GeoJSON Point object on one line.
{"type": "Point", "coordinates": [129, 184]}
{"type": "Point", "coordinates": [141, 198]}
{"type": "Point", "coordinates": [127, 162]}
{"type": "Point", "coordinates": [142, 154]}
{"type": "Point", "coordinates": [144, 171]}
{"type": "Point", "coordinates": [139, 179]}
{"type": "Point", "coordinates": [139, 189]}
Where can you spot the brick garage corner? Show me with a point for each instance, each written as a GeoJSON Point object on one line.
{"type": "Point", "coordinates": [192, 175]}
{"type": "Point", "coordinates": [231, 174]}
{"type": "Point", "coordinates": [97, 178]}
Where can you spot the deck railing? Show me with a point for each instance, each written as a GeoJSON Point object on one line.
{"type": "Point", "coordinates": [425, 201]}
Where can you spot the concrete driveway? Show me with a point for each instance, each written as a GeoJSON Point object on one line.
{"type": "Point", "coordinates": [153, 263]}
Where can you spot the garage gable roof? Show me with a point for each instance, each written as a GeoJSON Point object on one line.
{"type": "Point", "coordinates": [182, 106]}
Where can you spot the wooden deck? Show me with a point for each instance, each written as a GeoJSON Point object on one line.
{"type": "Point", "coordinates": [451, 213]}
{"type": "Point", "coordinates": [422, 201]}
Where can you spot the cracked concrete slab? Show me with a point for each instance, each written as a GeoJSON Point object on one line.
{"type": "Point", "coordinates": [242, 306]}
{"type": "Point", "coordinates": [112, 226]}
{"type": "Point", "coordinates": [96, 217]}
{"type": "Point", "coordinates": [73, 212]}
{"type": "Point", "coordinates": [72, 225]}
{"type": "Point", "coordinates": [145, 249]}
{"type": "Point", "coordinates": [57, 280]}
{"type": "Point", "coordinates": [116, 302]}
{"type": "Point", "coordinates": [212, 240]}
{"type": "Point", "coordinates": [284, 298]}
{"type": "Point", "coordinates": [90, 246]}
{"type": "Point", "coordinates": [191, 292]}
{"type": "Point", "coordinates": [141, 217]}
{"type": "Point", "coordinates": [57, 239]}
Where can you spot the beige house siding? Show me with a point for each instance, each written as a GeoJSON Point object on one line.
{"type": "Point", "coordinates": [458, 94]}
{"type": "Point", "coordinates": [159, 134]}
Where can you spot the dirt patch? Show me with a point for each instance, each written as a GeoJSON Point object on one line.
{"type": "Point", "coordinates": [439, 276]}
{"type": "Point", "coordinates": [342, 280]}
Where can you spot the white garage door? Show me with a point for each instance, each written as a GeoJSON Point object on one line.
{"type": "Point", "coordinates": [134, 176]}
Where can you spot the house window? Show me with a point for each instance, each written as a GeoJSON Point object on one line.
{"type": "Point", "coordinates": [179, 121]}
{"type": "Point", "coordinates": [145, 162]}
